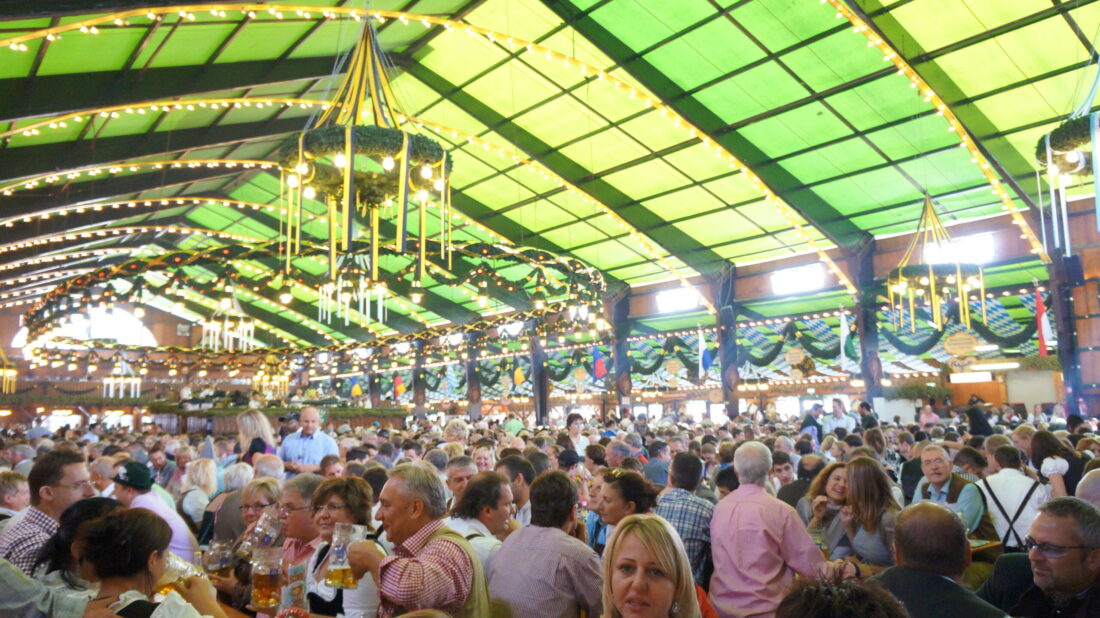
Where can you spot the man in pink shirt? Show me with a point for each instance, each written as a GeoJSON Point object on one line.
{"type": "Point", "coordinates": [758, 542]}
{"type": "Point", "coordinates": [133, 485]}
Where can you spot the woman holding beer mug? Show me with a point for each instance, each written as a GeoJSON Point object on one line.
{"type": "Point", "coordinates": [331, 589]}
{"type": "Point", "coordinates": [126, 551]}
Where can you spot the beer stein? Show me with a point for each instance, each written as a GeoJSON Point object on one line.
{"type": "Point", "coordinates": [263, 534]}
{"type": "Point", "coordinates": [218, 560]}
{"type": "Point", "coordinates": [176, 569]}
{"type": "Point", "coordinates": [266, 591]}
{"type": "Point", "coordinates": [339, 573]}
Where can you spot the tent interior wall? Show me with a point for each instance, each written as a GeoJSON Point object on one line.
{"type": "Point", "coordinates": [674, 147]}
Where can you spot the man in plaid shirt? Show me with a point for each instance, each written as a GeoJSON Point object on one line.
{"type": "Point", "coordinates": [689, 514]}
{"type": "Point", "coordinates": [57, 480]}
{"type": "Point", "coordinates": [432, 566]}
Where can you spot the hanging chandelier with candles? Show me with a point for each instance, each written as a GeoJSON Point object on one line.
{"type": "Point", "coordinates": [376, 181]}
{"type": "Point", "coordinates": [938, 289]}
{"type": "Point", "coordinates": [229, 328]}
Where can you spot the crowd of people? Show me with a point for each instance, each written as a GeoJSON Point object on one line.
{"type": "Point", "coordinates": [837, 513]}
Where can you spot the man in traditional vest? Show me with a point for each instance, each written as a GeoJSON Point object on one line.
{"type": "Point", "coordinates": [943, 486]}
{"type": "Point", "coordinates": [432, 566]}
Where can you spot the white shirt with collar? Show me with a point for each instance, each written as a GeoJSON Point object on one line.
{"type": "Point", "coordinates": [484, 543]}
{"type": "Point", "coordinates": [1010, 486]}
{"type": "Point", "coordinates": [523, 514]}
{"type": "Point", "coordinates": [830, 423]}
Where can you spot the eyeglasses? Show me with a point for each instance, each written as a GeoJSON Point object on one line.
{"type": "Point", "coordinates": [81, 486]}
{"type": "Point", "coordinates": [1050, 550]}
{"type": "Point", "coordinates": [331, 508]}
{"type": "Point", "coordinates": [286, 510]}
{"type": "Point", "coordinates": [253, 507]}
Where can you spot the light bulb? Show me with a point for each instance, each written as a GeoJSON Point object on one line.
{"type": "Point", "coordinates": [292, 181]}
{"type": "Point", "coordinates": [387, 163]}
{"type": "Point", "coordinates": [438, 184]}
{"type": "Point", "coordinates": [286, 297]}
{"type": "Point", "coordinates": [422, 195]}
{"type": "Point", "coordinates": [303, 168]}
{"type": "Point", "coordinates": [309, 193]}
{"type": "Point", "coordinates": [92, 368]}
{"type": "Point", "coordinates": [426, 171]}
{"type": "Point", "coordinates": [339, 160]}
{"type": "Point", "coordinates": [416, 297]}
{"type": "Point", "coordinates": [139, 312]}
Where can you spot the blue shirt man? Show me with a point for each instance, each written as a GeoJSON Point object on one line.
{"type": "Point", "coordinates": [937, 485]}
{"type": "Point", "coordinates": [303, 450]}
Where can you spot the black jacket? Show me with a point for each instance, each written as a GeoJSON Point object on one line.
{"type": "Point", "coordinates": [928, 595]}
{"type": "Point", "coordinates": [1035, 604]}
{"type": "Point", "coordinates": [1011, 577]}
{"type": "Point", "coordinates": [911, 474]}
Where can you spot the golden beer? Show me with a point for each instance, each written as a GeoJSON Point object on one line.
{"type": "Point", "coordinates": [266, 592]}
{"type": "Point", "coordinates": [221, 571]}
{"type": "Point", "coordinates": [340, 577]}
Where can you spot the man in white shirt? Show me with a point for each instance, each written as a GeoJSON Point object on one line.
{"type": "Point", "coordinates": [482, 514]}
{"type": "Point", "coordinates": [1012, 497]}
{"type": "Point", "coordinates": [520, 474]}
{"type": "Point", "coordinates": [836, 419]}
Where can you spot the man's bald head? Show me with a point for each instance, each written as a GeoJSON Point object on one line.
{"type": "Point", "coordinates": [809, 466]}
{"type": "Point", "coordinates": [1088, 489]}
{"type": "Point", "coordinates": [929, 537]}
{"type": "Point", "coordinates": [309, 420]}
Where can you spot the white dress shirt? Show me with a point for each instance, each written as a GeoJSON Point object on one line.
{"type": "Point", "coordinates": [830, 423]}
{"type": "Point", "coordinates": [484, 543]}
{"type": "Point", "coordinates": [1010, 486]}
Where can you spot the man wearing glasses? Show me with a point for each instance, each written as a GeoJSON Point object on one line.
{"type": "Point", "coordinates": [57, 480]}
{"type": "Point", "coordinates": [1061, 573]}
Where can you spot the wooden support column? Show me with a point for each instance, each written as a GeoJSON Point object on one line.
{"type": "Point", "coordinates": [620, 354]}
{"type": "Point", "coordinates": [870, 365]}
{"type": "Point", "coordinates": [723, 289]}
{"type": "Point", "coordinates": [419, 385]}
{"type": "Point", "coordinates": [540, 383]}
{"type": "Point", "coordinates": [1061, 300]}
{"type": "Point", "coordinates": [473, 379]}
{"type": "Point", "coordinates": [374, 388]}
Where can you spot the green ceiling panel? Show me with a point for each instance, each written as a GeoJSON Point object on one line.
{"type": "Point", "coordinates": [923, 134]}
{"type": "Point", "coordinates": [831, 161]}
{"type": "Point", "coordinates": [884, 100]}
{"type": "Point", "coordinates": [690, 61]}
{"type": "Point", "coordinates": [641, 24]}
{"type": "Point", "coordinates": [779, 24]}
{"type": "Point", "coordinates": [750, 93]}
{"type": "Point", "coordinates": [334, 37]}
{"type": "Point", "coordinates": [969, 19]}
{"type": "Point", "coordinates": [192, 44]}
{"type": "Point", "coordinates": [683, 203]}
{"type": "Point", "coordinates": [816, 63]}
{"type": "Point", "coordinates": [797, 129]}
{"type": "Point", "coordinates": [262, 40]}
{"type": "Point", "coordinates": [78, 53]}
{"type": "Point", "coordinates": [19, 65]}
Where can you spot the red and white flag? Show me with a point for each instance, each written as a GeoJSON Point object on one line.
{"type": "Point", "coordinates": [1042, 324]}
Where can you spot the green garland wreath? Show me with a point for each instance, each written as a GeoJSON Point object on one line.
{"type": "Point", "coordinates": [1071, 135]}
{"type": "Point", "coordinates": [372, 141]}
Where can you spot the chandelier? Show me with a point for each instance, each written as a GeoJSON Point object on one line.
{"type": "Point", "coordinates": [8, 373]}
{"type": "Point", "coordinates": [934, 288]}
{"type": "Point", "coordinates": [229, 328]}
{"type": "Point", "coordinates": [376, 182]}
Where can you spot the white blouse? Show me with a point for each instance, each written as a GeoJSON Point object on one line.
{"type": "Point", "coordinates": [359, 602]}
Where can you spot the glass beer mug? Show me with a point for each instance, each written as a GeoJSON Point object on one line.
{"type": "Point", "coordinates": [339, 573]}
{"type": "Point", "coordinates": [263, 534]}
{"type": "Point", "coordinates": [176, 569]}
{"type": "Point", "coordinates": [218, 560]}
{"type": "Point", "coordinates": [266, 591]}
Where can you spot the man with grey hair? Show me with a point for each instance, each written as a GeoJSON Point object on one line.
{"type": "Point", "coordinates": [1088, 489]}
{"type": "Point", "coordinates": [21, 457]}
{"type": "Point", "coordinates": [758, 542]}
{"type": "Point", "coordinates": [432, 566]}
{"type": "Point", "coordinates": [617, 451]}
{"type": "Point", "coordinates": [268, 465]}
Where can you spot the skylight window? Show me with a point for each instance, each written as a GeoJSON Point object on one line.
{"type": "Point", "coordinates": [798, 279]}
{"type": "Point", "coordinates": [974, 249]}
{"type": "Point", "coordinates": [677, 300]}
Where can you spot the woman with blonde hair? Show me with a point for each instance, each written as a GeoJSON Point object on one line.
{"type": "Point", "coordinates": [200, 483]}
{"type": "Point", "coordinates": [255, 434]}
{"type": "Point", "coordinates": [646, 571]}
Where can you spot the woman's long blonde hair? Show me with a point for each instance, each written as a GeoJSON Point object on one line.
{"type": "Point", "coordinates": [253, 424]}
{"type": "Point", "coordinates": [662, 540]}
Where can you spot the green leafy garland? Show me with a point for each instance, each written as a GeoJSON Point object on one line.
{"type": "Point", "coordinates": [1071, 135]}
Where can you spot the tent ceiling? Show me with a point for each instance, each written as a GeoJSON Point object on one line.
{"type": "Point", "coordinates": [542, 148]}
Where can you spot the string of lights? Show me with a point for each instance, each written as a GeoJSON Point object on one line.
{"type": "Point", "coordinates": [954, 125]}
